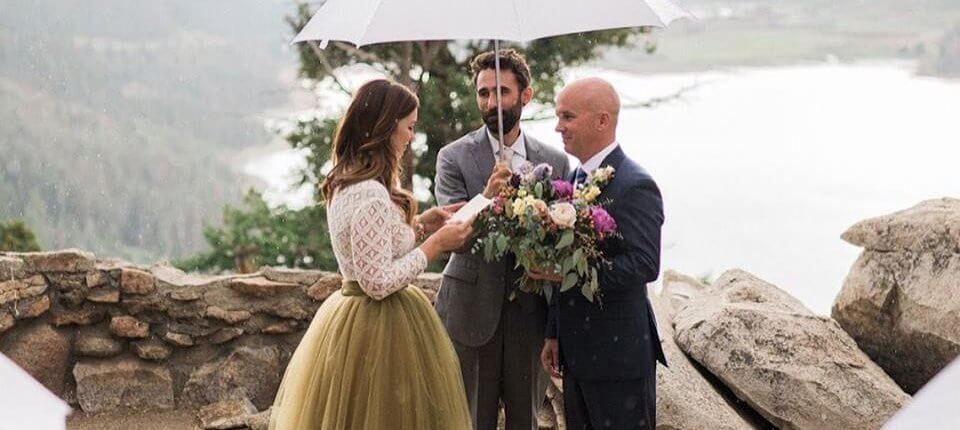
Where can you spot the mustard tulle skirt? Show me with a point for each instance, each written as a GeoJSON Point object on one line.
{"type": "Point", "coordinates": [367, 364]}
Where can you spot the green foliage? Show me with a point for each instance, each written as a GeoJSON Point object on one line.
{"type": "Point", "coordinates": [16, 236]}
{"type": "Point", "coordinates": [255, 235]}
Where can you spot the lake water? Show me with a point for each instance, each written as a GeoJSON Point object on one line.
{"type": "Point", "coordinates": [763, 168]}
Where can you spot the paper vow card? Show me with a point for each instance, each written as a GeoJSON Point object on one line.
{"type": "Point", "coordinates": [472, 208]}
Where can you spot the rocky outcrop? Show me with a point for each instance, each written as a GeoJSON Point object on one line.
{"type": "Point", "coordinates": [900, 301]}
{"type": "Point", "coordinates": [682, 384]}
{"type": "Point", "coordinates": [799, 370]}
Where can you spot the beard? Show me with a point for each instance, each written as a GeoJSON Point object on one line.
{"type": "Point", "coordinates": [511, 116]}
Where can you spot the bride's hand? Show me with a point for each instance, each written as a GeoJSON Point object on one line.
{"type": "Point", "coordinates": [451, 236]}
{"type": "Point", "coordinates": [434, 218]}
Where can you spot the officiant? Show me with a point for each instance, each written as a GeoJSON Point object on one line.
{"type": "Point", "coordinates": [496, 329]}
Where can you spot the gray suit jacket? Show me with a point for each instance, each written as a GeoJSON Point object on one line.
{"type": "Point", "coordinates": [472, 291]}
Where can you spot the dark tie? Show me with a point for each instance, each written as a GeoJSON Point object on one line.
{"type": "Point", "coordinates": [579, 176]}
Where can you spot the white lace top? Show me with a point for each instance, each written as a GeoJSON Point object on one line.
{"type": "Point", "coordinates": [373, 244]}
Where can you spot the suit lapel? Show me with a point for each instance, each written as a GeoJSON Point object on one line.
{"type": "Point", "coordinates": [482, 154]}
{"type": "Point", "coordinates": [534, 153]}
{"type": "Point", "coordinates": [614, 159]}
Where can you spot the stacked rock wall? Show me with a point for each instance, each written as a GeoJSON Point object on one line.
{"type": "Point", "coordinates": [106, 334]}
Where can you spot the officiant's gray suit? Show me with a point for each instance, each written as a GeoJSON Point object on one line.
{"type": "Point", "coordinates": [497, 340]}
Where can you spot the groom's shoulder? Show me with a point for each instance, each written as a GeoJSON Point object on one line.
{"type": "Point", "coordinates": [460, 144]}
{"type": "Point", "coordinates": [634, 174]}
{"type": "Point", "coordinates": [550, 153]}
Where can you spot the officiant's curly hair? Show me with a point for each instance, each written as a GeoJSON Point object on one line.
{"type": "Point", "coordinates": [361, 146]}
{"type": "Point", "coordinates": [509, 60]}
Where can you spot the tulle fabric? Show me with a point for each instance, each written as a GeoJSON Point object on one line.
{"type": "Point", "coordinates": [367, 364]}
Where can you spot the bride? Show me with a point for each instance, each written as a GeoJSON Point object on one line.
{"type": "Point", "coordinates": [376, 355]}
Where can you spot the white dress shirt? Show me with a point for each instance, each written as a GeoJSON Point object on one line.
{"type": "Point", "coordinates": [519, 149]}
{"type": "Point", "coordinates": [594, 162]}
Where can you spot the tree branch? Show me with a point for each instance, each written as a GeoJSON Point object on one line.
{"type": "Point", "coordinates": [429, 51]}
{"type": "Point", "coordinates": [363, 55]}
{"type": "Point", "coordinates": [546, 113]}
{"type": "Point", "coordinates": [653, 102]}
{"type": "Point", "coordinates": [327, 67]}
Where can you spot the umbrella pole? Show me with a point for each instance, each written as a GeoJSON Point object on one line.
{"type": "Point", "coordinates": [496, 62]}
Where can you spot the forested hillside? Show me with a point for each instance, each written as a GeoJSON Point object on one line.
{"type": "Point", "coordinates": [119, 120]}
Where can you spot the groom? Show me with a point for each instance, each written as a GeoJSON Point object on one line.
{"type": "Point", "coordinates": [607, 351]}
{"type": "Point", "coordinates": [497, 339]}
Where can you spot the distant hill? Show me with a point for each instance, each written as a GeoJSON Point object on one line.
{"type": "Point", "coordinates": [732, 33]}
{"type": "Point", "coordinates": [118, 119]}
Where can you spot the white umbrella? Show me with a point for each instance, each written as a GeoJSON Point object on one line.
{"type": "Point", "coordinates": [25, 403]}
{"type": "Point", "coordinates": [363, 22]}
{"type": "Point", "coordinates": [934, 406]}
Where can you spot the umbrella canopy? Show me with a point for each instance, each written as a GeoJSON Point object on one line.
{"type": "Point", "coordinates": [364, 22]}
{"type": "Point", "coordinates": [25, 404]}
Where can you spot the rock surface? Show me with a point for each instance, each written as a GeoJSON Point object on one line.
{"type": "Point", "coordinates": [797, 369]}
{"type": "Point", "coordinates": [260, 286]}
{"type": "Point", "coordinates": [96, 342]}
{"type": "Point", "coordinates": [43, 352]}
{"type": "Point", "coordinates": [129, 327]}
{"type": "Point", "coordinates": [68, 260]}
{"type": "Point", "coordinates": [226, 414]}
{"type": "Point", "coordinates": [246, 372]}
{"type": "Point", "coordinates": [682, 385]}
{"type": "Point", "coordinates": [124, 383]}
{"type": "Point", "coordinates": [135, 281]}
{"type": "Point", "coordinates": [901, 299]}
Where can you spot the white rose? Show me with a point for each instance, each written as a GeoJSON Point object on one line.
{"type": "Point", "coordinates": [563, 214]}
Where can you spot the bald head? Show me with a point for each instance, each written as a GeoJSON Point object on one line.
{"type": "Point", "coordinates": [595, 94]}
{"type": "Point", "coordinates": [587, 113]}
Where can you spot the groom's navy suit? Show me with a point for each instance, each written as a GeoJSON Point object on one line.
{"type": "Point", "coordinates": [609, 348]}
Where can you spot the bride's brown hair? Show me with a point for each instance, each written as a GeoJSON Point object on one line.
{"type": "Point", "coordinates": [362, 148]}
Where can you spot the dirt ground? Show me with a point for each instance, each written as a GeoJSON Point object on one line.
{"type": "Point", "coordinates": [154, 420]}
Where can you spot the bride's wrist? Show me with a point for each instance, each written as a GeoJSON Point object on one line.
{"type": "Point", "coordinates": [419, 229]}
{"type": "Point", "coordinates": [430, 250]}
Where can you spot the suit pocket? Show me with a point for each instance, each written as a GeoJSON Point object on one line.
{"type": "Point", "coordinates": [462, 273]}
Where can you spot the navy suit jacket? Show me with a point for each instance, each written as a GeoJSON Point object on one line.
{"type": "Point", "coordinates": [615, 337]}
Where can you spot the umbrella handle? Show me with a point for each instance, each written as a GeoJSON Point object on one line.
{"type": "Point", "coordinates": [496, 63]}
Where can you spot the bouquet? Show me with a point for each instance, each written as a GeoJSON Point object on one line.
{"type": "Point", "coordinates": [550, 227]}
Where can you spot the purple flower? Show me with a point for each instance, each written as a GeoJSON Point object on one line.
{"type": "Point", "coordinates": [542, 171]}
{"type": "Point", "coordinates": [563, 190]}
{"type": "Point", "coordinates": [525, 168]}
{"type": "Point", "coordinates": [603, 223]}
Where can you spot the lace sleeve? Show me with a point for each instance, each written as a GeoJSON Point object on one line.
{"type": "Point", "coordinates": [377, 272]}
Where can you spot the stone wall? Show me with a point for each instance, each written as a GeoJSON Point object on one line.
{"type": "Point", "coordinates": [105, 334]}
